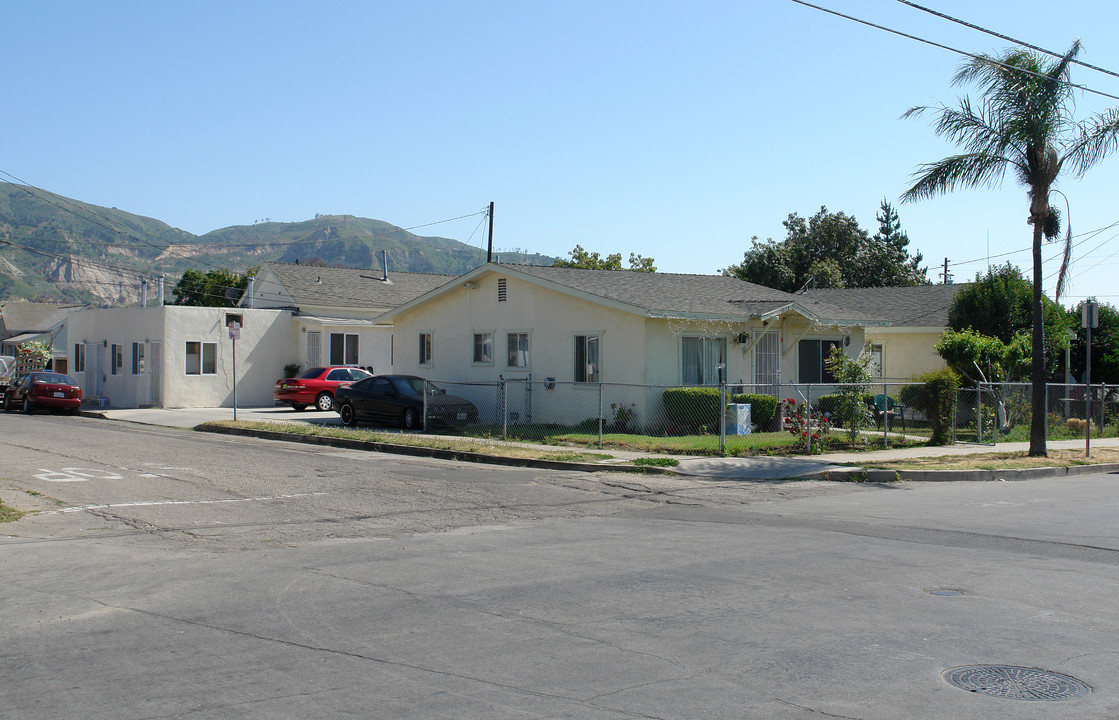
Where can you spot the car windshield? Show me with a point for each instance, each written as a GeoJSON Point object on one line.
{"type": "Point", "coordinates": [413, 387]}
{"type": "Point", "coordinates": [53, 379]}
{"type": "Point", "coordinates": [312, 373]}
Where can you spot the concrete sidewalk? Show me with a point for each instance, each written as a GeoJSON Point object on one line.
{"type": "Point", "coordinates": [740, 468]}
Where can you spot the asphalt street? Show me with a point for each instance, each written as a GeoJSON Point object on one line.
{"type": "Point", "coordinates": [171, 574]}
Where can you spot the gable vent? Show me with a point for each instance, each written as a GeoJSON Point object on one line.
{"type": "Point", "coordinates": [501, 290]}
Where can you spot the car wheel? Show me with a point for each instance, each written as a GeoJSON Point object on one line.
{"type": "Point", "coordinates": [7, 402]}
{"type": "Point", "coordinates": [411, 419]}
{"type": "Point", "coordinates": [26, 405]}
{"type": "Point", "coordinates": [324, 402]}
{"type": "Point", "coordinates": [349, 417]}
{"type": "Point", "coordinates": [298, 407]}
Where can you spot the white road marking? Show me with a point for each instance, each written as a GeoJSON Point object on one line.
{"type": "Point", "coordinates": [70, 474]}
{"type": "Point", "coordinates": [178, 502]}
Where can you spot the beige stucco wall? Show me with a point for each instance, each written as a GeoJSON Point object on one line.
{"type": "Point", "coordinates": [551, 318]}
{"type": "Point", "coordinates": [266, 339]}
{"type": "Point", "coordinates": [907, 351]}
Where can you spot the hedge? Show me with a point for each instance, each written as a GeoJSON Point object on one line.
{"type": "Point", "coordinates": [691, 408]}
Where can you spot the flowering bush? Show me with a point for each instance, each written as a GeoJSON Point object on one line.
{"type": "Point", "coordinates": [801, 420]}
{"type": "Point", "coordinates": [623, 413]}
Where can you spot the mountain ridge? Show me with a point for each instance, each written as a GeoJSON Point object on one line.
{"type": "Point", "coordinates": [55, 248]}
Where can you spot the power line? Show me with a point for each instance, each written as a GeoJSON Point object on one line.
{"type": "Point", "coordinates": [973, 56]}
{"type": "Point", "coordinates": [1005, 37]}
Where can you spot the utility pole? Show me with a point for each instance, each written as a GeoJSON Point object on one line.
{"type": "Point", "coordinates": [946, 275]}
{"type": "Point", "coordinates": [489, 249]}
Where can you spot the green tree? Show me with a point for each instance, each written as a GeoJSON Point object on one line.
{"type": "Point", "coordinates": [580, 258]}
{"type": "Point", "coordinates": [984, 358]}
{"type": "Point", "coordinates": [999, 304]}
{"type": "Point", "coordinates": [1105, 346]}
{"type": "Point", "coordinates": [831, 250]}
{"type": "Point", "coordinates": [209, 288]}
{"type": "Point", "coordinates": [1024, 123]}
{"type": "Point", "coordinates": [853, 377]}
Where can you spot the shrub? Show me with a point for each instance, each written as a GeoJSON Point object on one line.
{"type": "Point", "coordinates": [763, 408]}
{"type": "Point", "coordinates": [934, 394]}
{"type": "Point", "coordinates": [690, 408]}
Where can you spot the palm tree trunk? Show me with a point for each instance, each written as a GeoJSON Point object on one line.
{"type": "Point", "coordinates": [1037, 376]}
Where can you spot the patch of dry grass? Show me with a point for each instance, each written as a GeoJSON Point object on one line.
{"type": "Point", "coordinates": [463, 445]}
{"type": "Point", "coordinates": [1003, 460]}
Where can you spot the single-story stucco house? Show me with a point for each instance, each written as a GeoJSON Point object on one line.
{"type": "Point", "coordinates": [334, 309]}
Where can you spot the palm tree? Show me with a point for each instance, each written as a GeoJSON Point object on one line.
{"type": "Point", "coordinates": [1025, 123]}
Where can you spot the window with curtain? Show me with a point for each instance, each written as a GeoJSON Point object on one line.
{"type": "Point", "coordinates": [517, 346]}
{"type": "Point", "coordinates": [483, 348]}
{"type": "Point", "coordinates": [586, 358]}
{"type": "Point", "coordinates": [700, 358]}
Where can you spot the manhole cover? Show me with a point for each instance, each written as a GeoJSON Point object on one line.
{"type": "Point", "coordinates": [1017, 683]}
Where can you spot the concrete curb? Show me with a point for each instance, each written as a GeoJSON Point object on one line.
{"type": "Point", "coordinates": [436, 453]}
{"type": "Point", "coordinates": [857, 474]}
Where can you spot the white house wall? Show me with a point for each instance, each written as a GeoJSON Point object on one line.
{"type": "Point", "coordinates": [266, 339]}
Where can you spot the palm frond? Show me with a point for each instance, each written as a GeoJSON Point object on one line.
{"type": "Point", "coordinates": [967, 170]}
{"type": "Point", "coordinates": [1097, 138]}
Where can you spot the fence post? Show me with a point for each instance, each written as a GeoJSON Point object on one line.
{"type": "Point", "coordinates": [1103, 403]}
{"type": "Point", "coordinates": [722, 417]}
{"type": "Point", "coordinates": [504, 408]}
{"type": "Point", "coordinates": [978, 414]}
{"type": "Point", "coordinates": [885, 415]}
{"type": "Point", "coordinates": [808, 418]}
{"type": "Point", "coordinates": [600, 416]}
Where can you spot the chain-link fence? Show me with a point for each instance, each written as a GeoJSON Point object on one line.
{"type": "Point", "coordinates": [1002, 412]}
{"type": "Point", "coordinates": [734, 419]}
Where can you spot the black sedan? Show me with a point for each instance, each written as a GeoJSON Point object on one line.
{"type": "Point", "coordinates": [392, 399]}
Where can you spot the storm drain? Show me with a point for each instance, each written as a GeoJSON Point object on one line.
{"type": "Point", "coordinates": [1016, 683]}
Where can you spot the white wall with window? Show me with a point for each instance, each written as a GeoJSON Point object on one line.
{"type": "Point", "coordinates": [194, 367]}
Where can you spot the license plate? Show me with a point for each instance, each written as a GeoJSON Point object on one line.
{"type": "Point", "coordinates": [461, 416]}
{"type": "Point", "coordinates": [59, 394]}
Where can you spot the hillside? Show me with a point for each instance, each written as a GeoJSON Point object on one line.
{"type": "Point", "coordinates": [56, 248]}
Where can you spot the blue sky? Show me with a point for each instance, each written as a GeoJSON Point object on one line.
{"type": "Point", "coordinates": [674, 130]}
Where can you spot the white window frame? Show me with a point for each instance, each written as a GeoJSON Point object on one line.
{"type": "Point", "coordinates": [116, 358]}
{"type": "Point", "coordinates": [877, 353]}
{"type": "Point", "coordinates": [588, 376]}
{"type": "Point", "coordinates": [527, 351]}
{"type": "Point", "coordinates": [425, 350]}
{"type": "Point", "coordinates": [349, 342]}
{"type": "Point", "coordinates": [200, 354]}
{"type": "Point", "coordinates": [138, 358]}
{"type": "Point", "coordinates": [489, 335]}
{"type": "Point", "coordinates": [705, 367]}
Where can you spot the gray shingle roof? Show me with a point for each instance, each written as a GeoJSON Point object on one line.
{"type": "Point", "coordinates": [23, 317]}
{"type": "Point", "coordinates": [673, 295]}
{"type": "Point", "coordinates": [352, 287]}
{"type": "Point", "coordinates": [916, 306]}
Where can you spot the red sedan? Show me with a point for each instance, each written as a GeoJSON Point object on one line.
{"type": "Point", "coordinates": [315, 387]}
{"type": "Point", "coordinates": [51, 390]}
